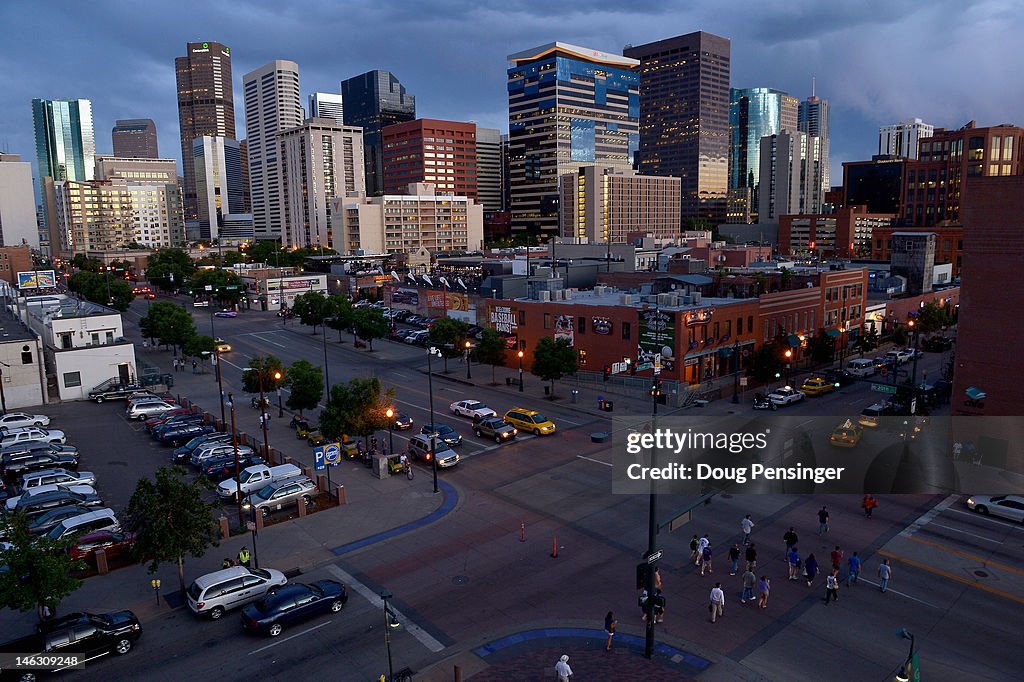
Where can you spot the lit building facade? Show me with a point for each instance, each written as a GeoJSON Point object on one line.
{"type": "Point", "coordinates": [327, 105]}
{"type": "Point", "coordinates": [753, 113]}
{"type": "Point", "coordinates": [373, 101]}
{"type": "Point", "coordinates": [607, 204]}
{"type": "Point", "coordinates": [490, 170]}
{"type": "Point", "coordinates": [137, 170]}
{"type": "Point", "coordinates": [900, 139]}
{"type": "Point", "coordinates": [218, 167]}
{"type": "Point", "coordinates": [791, 168]}
{"type": "Point", "coordinates": [17, 206]}
{"type": "Point", "coordinates": [812, 118]}
{"type": "Point", "coordinates": [847, 233]}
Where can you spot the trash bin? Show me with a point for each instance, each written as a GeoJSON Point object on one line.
{"type": "Point", "coordinates": [547, 390]}
{"type": "Point", "coordinates": [508, 381]}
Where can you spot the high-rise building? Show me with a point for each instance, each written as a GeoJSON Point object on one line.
{"type": "Point", "coordinates": [327, 105]}
{"type": "Point", "coordinates": [684, 118]}
{"type": "Point", "coordinates": [812, 118]}
{"type": "Point", "coordinates": [320, 160]}
{"type": "Point", "coordinates": [374, 101]}
{"type": "Point", "coordinates": [900, 139]}
{"type": "Point", "coordinates": [139, 171]}
{"type": "Point", "coordinates": [567, 106]}
{"type": "Point", "coordinates": [606, 204]}
{"type": "Point", "coordinates": [876, 184]}
{"type": "Point", "coordinates": [206, 105]}
{"type": "Point", "coordinates": [135, 138]}
{"type": "Point", "coordinates": [218, 167]}
{"type": "Point", "coordinates": [754, 113]}
{"type": "Point", "coordinates": [490, 171]}
{"type": "Point", "coordinates": [441, 153]}
{"type": "Point", "coordinates": [790, 175]}
{"type": "Point", "coordinates": [272, 106]}
{"type": "Point", "coordinates": [17, 207]}
{"type": "Point", "coordinates": [243, 148]}
{"type": "Point", "coordinates": [65, 143]}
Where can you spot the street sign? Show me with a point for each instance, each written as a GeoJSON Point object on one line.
{"type": "Point", "coordinates": [743, 381]}
{"type": "Point", "coordinates": [657, 363]}
{"type": "Point", "coordinates": [883, 388]}
{"type": "Point", "coordinates": [644, 365]}
{"type": "Point", "coordinates": [651, 558]}
{"type": "Point", "coordinates": [618, 367]}
{"type": "Point", "coordinates": [209, 287]}
{"type": "Point", "coordinates": [318, 459]}
{"type": "Point", "coordinates": [250, 526]}
{"type": "Point", "coordinates": [332, 454]}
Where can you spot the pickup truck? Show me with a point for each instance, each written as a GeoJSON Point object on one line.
{"type": "Point", "coordinates": [255, 477]}
{"type": "Point", "coordinates": [71, 640]}
{"type": "Point", "coordinates": [113, 390]}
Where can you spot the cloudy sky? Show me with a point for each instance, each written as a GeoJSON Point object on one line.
{"type": "Point", "coordinates": [876, 61]}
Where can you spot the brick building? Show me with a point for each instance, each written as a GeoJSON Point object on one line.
{"type": "Point", "coordinates": [442, 153]}
{"type": "Point", "coordinates": [14, 259]}
{"type": "Point", "coordinates": [843, 234]}
{"type": "Point", "coordinates": [949, 243]}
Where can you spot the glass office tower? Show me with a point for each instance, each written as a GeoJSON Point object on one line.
{"type": "Point", "coordinates": [755, 113]}
{"type": "Point", "coordinates": [65, 142]}
{"type": "Point", "coordinates": [373, 101]}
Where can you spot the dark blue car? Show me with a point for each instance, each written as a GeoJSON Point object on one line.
{"type": "Point", "coordinates": [183, 433]}
{"type": "Point", "coordinates": [220, 468]}
{"type": "Point", "coordinates": [184, 453]}
{"type": "Point", "coordinates": [293, 603]}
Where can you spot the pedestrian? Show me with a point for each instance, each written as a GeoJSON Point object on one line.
{"type": "Point", "coordinates": [642, 602]}
{"type": "Point", "coordinates": [227, 563]}
{"type": "Point", "coordinates": [868, 504]}
{"type": "Point", "coordinates": [609, 629]}
{"type": "Point", "coordinates": [751, 557]}
{"type": "Point", "coordinates": [764, 586]}
{"type": "Point", "coordinates": [822, 520]}
{"type": "Point", "coordinates": [832, 586]}
{"type": "Point", "coordinates": [957, 448]}
{"type": "Point", "coordinates": [837, 557]}
{"type": "Point", "coordinates": [717, 605]}
{"type": "Point", "coordinates": [243, 557]}
{"type": "Point", "coordinates": [790, 538]}
{"type": "Point", "coordinates": [734, 559]}
{"type": "Point", "coordinates": [794, 562]}
{"type": "Point", "coordinates": [705, 560]}
{"type": "Point", "coordinates": [659, 606]}
{"type": "Point", "coordinates": [657, 578]}
{"type": "Point", "coordinates": [694, 545]}
{"type": "Point", "coordinates": [194, 365]}
{"type": "Point", "coordinates": [748, 586]}
{"type": "Point", "coordinates": [853, 569]}
{"type": "Point", "coordinates": [562, 669]}
{"type": "Point", "coordinates": [810, 569]}
{"type": "Point", "coordinates": [884, 575]}
{"type": "Point", "coordinates": [266, 419]}
{"type": "Point", "coordinates": [971, 451]}
{"type": "Point", "coordinates": [747, 525]}
{"type": "Point", "coordinates": [701, 546]}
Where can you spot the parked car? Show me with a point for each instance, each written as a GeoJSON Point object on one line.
{"type": "Point", "coordinates": [496, 429]}
{"type": "Point", "coordinates": [97, 519]}
{"type": "Point", "coordinates": [175, 421]}
{"type": "Point", "coordinates": [444, 434]}
{"type": "Point", "coordinates": [474, 409]}
{"type": "Point", "coordinates": [861, 367]}
{"type": "Point", "coordinates": [214, 593]}
{"type": "Point", "coordinates": [787, 395]}
{"type": "Point", "coordinates": [182, 433]}
{"type": "Point", "coordinates": [17, 420]}
{"type": "Point", "coordinates": [42, 524]}
{"type": "Point", "coordinates": [530, 421]}
{"type": "Point", "coordinates": [113, 389]}
{"type": "Point", "coordinates": [817, 386]}
{"type": "Point", "coordinates": [419, 448]}
{"type": "Point", "coordinates": [16, 466]}
{"type": "Point", "coordinates": [900, 355]}
{"type": "Point", "coordinates": [154, 422]}
{"type": "Point", "coordinates": [86, 635]}
{"type": "Point", "coordinates": [183, 453]}
{"type": "Point", "coordinates": [292, 604]}
{"type": "Point", "coordinates": [57, 477]}
{"type": "Point", "coordinates": [1006, 506]}
{"type": "Point", "coordinates": [203, 454]}
{"type": "Point", "coordinates": [39, 446]}
{"type": "Point", "coordinates": [761, 402]}
{"type": "Point", "coordinates": [45, 498]}
{"type": "Point", "coordinates": [937, 344]}
{"type": "Point", "coordinates": [839, 376]}
{"type": "Point", "coordinates": [32, 433]}
{"type": "Point", "coordinates": [276, 496]}
{"type": "Point", "coordinates": [147, 409]}
{"type": "Point", "coordinates": [255, 477]}
{"type": "Point", "coordinates": [219, 468]}
{"type": "Point", "coordinates": [113, 543]}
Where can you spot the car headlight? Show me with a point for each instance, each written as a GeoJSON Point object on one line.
{"type": "Point", "coordinates": [970, 502]}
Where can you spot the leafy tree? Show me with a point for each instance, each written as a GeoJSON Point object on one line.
{"type": "Point", "coordinates": [356, 408]}
{"type": "Point", "coordinates": [269, 252]}
{"type": "Point", "coordinates": [760, 283]}
{"type": "Point", "coordinates": [491, 350]}
{"type": "Point", "coordinates": [170, 518]}
{"type": "Point", "coordinates": [899, 335]}
{"type": "Point", "coordinates": [370, 324]}
{"type": "Point", "coordinates": [553, 359]}
{"type": "Point", "coordinates": [341, 313]}
{"type": "Point", "coordinates": [36, 570]}
{"type": "Point", "coordinates": [168, 322]}
{"type": "Point", "coordinates": [785, 278]}
{"type": "Point", "coordinates": [307, 385]}
{"type": "Point", "coordinates": [220, 280]}
{"type": "Point", "coordinates": [312, 308]}
{"type": "Point", "coordinates": [693, 224]}
{"type": "Point", "coordinates": [169, 269]}
{"type": "Point", "coordinates": [767, 361]}
{"type": "Point", "coordinates": [265, 366]}
{"type": "Point", "coordinates": [932, 317]}
{"type": "Point", "coordinates": [867, 341]}
{"type": "Point", "coordinates": [822, 347]}
{"type": "Point", "coordinates": [199, 346]}
{"type": "Point", "coordinates": [82, 262]}
{"type": "Point", "coordinates": [102, 288]}
{"type": "Point", "coordinates": [449, 336]}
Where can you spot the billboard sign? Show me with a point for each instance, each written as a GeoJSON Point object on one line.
{"type": "Point", "coordinates": [504, 319]}
{"type": "Point", "coordinates": [657, 336]}
{"type": "Point", "coordinates": [563, 328]}
{"type": "Point", "coordinates": [37, 279]}
{"type": "Point", "coordinates": [447, 300]}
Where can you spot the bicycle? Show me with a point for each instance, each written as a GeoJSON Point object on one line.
{"type": "Point", "coordinates": [408, 470]}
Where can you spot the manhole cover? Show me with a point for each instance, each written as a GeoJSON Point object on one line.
{"type": "Point", "coordinates": [981, 574]}
{"type": "Point", "coordinates": [460, 580]}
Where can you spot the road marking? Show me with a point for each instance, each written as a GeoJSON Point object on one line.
{"type": "Point", "coordinates": [260, 337]}
{"type": "Point", "coordinates": [568, 421]}
{"type": "Point", "coordinates": [967, 555]}
{"type": "Point", "coordinates": [282, 641]}
{"type": "Point", "coordinates": [1007, 524]}
{"type": "Point", "coordinates": [424, 637]}
{"type": "Point", "coordinates": [228, 362]}
{"type": "Point", "coordinates": [902, 594]}
{"type": "Point", "coordinates": [591, 459]}
{"type": "Point", "coordinates": [926, 518]}
{"type": "Point", "coordinates": [973, 535]}
{"type": "Point", "coordinates": [953, 576]}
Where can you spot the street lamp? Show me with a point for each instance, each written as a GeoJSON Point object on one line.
{"type": "Point", "coordinates": [736, 371]}
{"type": "Point", "coordinates": [520, 371]}
{"type": "Point", "coordinates": [789, 357]}
{"type": "Point", "coordinates": [238, 472]}
{"type": "Point", "coordinates": [431, 352]}
{"type": "Point", "coordinates": [908, 669]}
{"type": "Point", "coordinates": [220, 382]}
{"type": "Point", "coordinates": [468, 347]}
{"type": "Point", "coordinates": [391, 434]}
{"type": "Point", "coordinates": [280, 409]}
{"type": "Point", "coordinates": [389, 623]}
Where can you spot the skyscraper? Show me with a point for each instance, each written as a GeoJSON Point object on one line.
{"type": "Point", "coordinates": [65, 145]}
{"type": "Point", "coordinates": [490, 171]}
{"type": "Point", "coordinates": [684, 118]}
{"type": "Point", "coordinates": [373, 101]}
{"type": "Point", "coordinates": [218, 166]}
{"type": "Point", "coordinates": [442, 153]}
{"type": "Point", "coordinates": [206, 105]}
{"type": "Point", "coordinates": [272, 106]}
{"type": "Point", "coordinates": [135, 138]}
{"type": "Point", "coordinates": [755, 113]}
{"type": "Point", "coordinates": [327, 105]}
{"type": "Point", "coordinates": [812, 118]}
{"type": "Point", "coordinates": [790, 175]}
{"type": "Point", "coordinates": [900, 139]}
{"type": "Point", "coordinates": [567, 106]}
{"type": "Point", "coordinates": [17, 208]}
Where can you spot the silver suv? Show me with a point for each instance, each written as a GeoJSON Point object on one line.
{"type": "Point", "coordinates": [419, 448]}
{"type": "Point", "coordinates": [214, 593]}
{"type": "Point", "coordinates": [275, 496]}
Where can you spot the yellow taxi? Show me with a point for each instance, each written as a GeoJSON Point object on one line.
{"type": "Point", "coordinates": [530, 421]}
{"type": "Point", "coordinates": [847, 434]}
{"type": "Point", "coordinates": [222, 346]}
{"type": "Point", "coordinates": [817, 386]}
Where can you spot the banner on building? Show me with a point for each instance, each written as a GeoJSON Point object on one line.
{"type": "Point", "coordinates": [450, 300]}
{"type": "Point", "coordinates": [504, 319]}
{"type": "Point", "coordinates": [405, 296]}
{"type": "Point", "coordinates": [657, 337]}
{"type": "Point", "coordinates": [563, 328]}
{"type": "Point", "coordinates": [37, 279]}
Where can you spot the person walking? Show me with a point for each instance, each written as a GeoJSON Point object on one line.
{"type": "Point", "coordinates": [957, 448]}
{"type": "Point", "coordinates": [747, 525]}
{"type": "Point", "coordinates": [868, 504]}
{"type": "Point", "coordinates": [717, 606]}
{"type": "Point", "coordinates": [659, 607]}
{"type": "Point", "coordinates": [749, 579]}
{"type": "Point", "coordinates": [751, 557]}
{"type": "Point", "coordinates": [194, 366]}
{"type": "Point", "coordinates": [734, 559]}
{"type": "Point", "coordinates": [705, 560]}
{"type": "Point", "coordinates": [562, 669]}
{"type": "Point", "coordinates": [657, 578]}
{"type": "Point", "coordinates": [811, 569]}
{"type": "Point", "coordinates": [694, 546]}
{"type": "Point", "coordinates": [703, 543]}
{"type": "Point", "coordinates": [244, 556]}
{"type": "Point", "coordinates": [853, 569]}
{"type": "Point", "coordinates": [764, 586]}
{"type": "Point", "coordinates": [822, 520]}
{"type": "Point", "coordinates": [794, 562]}
{"type": "Point", "coordinates": [837, 557]}
{"type": "Point", "coordinates": [884, 576]}
{"type": "Point", "coordinates": [832, 586]}
{"type": "Point", "coordinates": [790, 538]}
{"type": "Point", "coordinates": [609, 629]}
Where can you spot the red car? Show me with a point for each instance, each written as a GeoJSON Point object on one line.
{"type": "Point", "coordinates": [115, 544]}
{"type": "Point", "coordinates": [157, 421]}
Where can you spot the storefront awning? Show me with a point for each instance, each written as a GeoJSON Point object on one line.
{"type": "Point", "coordinates": [975, 393]}
{"type": "Point", "coordinates": [834, 333]}
{"type": "Point", "coordinates": [792, 340]}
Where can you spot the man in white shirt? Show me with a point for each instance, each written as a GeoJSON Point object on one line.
{"type": "Point", "coordinates": [747, 525]}
{"type": "Point", "coordinates": [717, 606]}
{"type": "Point", "coordinates": [562, 669]}
{"type": "Point", "coordinates": [704, 542]}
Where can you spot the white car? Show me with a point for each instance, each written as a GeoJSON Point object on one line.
{"type": "Point", "coordinates": [1007, 506]}
{"type": "Point", "coordinates": [901, 356]}
{"type": "Point", "coordinates": [57, 477]}
{"type": "Point", "coordinates": [19, 420]}
{"type": "Point", "coordinates": [12, 502]}
{"type": "Point", "coordinates": [31, 434]}
{"type": "Point", "coordinates": [786, 395]}
{"type": "Point", "coordinates": [474, 409]}
{"type": "Point", "coordinates": [145, 410]}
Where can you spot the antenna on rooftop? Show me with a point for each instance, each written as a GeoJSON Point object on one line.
{"type": "Point", "coordinates": [812, 86]}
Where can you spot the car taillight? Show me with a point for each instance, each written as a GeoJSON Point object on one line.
{"type": "Point", "coordinates": [253, 623]}
{"type": "Point", "coordinates": [200, 605]}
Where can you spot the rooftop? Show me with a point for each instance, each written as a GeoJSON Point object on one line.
{"type": "Point", "coordinates": [606, 296]}
{"type": "Point", "coordinates": [49, 307]}
{"type": "Point", "coordinates": [12, 330]}
{"type": "Point", "coordinates": [584, 53]}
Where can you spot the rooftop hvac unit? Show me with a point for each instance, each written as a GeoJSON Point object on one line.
{"type": "Point", "coordinates": [544, 296]}
{"type": "Point", "coordinates": [625, 299]}
{"type": "Point", "coordinates": [696, 297]}
{"type": "Point", "coordinates": [687, 300]}
{"type": "Point", "coordinates": [673, 301]}
{"type": "Point", "coordinates": [663, 299]}
{"type": "Point", "coordinates": [600, 290]}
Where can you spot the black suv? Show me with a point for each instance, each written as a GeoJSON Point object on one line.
{"type": "Point", "coordinates": [445, 434]}
{"type": "Point", "coordinates": [40, 503]}
{"type": "Point", "coordinates": [40, 446]}
{"type": "Point", "coordinates": [16, 466]}
{"type": "Point", "coordinates": [85, 635]}
{"type": "Point", "coordinates": [839, 376]}
{"type": "Point", "coordinates": [222, 468]}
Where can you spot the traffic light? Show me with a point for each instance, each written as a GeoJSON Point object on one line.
{"type": "Point", "coordinates": [656, 388]}
{"type": "Point", "coordinates": [607, 372]}
{"type": "Point", "coordinates": [641, 575]}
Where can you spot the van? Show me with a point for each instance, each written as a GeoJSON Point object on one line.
{"type": "Point", "coordinates": [255, 477]}
{"type": "Point", "coordinates": [419, 448]}
{"type": "Point", "coordinates": [214, 593]}
{"type": "Point", "coordinates": [871, 415]}
{"type": "Point", "coordinates": [147, 409]}
{"type": "Point", "coordinates": [101, 519]}
{"type": "Point", "coordinates": [861, 367]}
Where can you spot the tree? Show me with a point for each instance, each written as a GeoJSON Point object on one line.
{"type": "Point", "coordinates": [932, 317]}
{"type": "Point", "coordinates": [168, 322]}
{"type": "Point", "coordinates": [307, 385]}
{"type": "Point", "coordinates": [169, 269]}
{"type": "Point", "coordinates": [767, 362]}
{"type": "Point", "coordinates": [867, 341]}
{"type": "Point", "coordinates": [553, 359]}
{"type": "Point", "coordinates": [341, 313]}
{"type": "Point", "coordinates": [821, 346]}
{"type": "Point", "coordinates": [370, 324]}
{"type": "Point", "coordinates": [491, 350]}
{"type": "Point", "coordinates": [312, 308]}
{"type": "Point", "coordinates": [82, 262]}
{"type": "Point", "coordinates": [170, 518]}
{"type": "Point", "coordinates": [199, 346]}
{"type": "Point", "coordinates": [36, 570]}
{"type": "Point", "coordinates": [449, 336]}
{"type": "Point", "coordinates": [785, 278]}
{"type": "Point", "coordinates": [356, 408]}
{"type": "Point", "coordinates": [266, 366]}
{"type": "Point", "coordinates": [102, 288]}
{"type": "Point", "coordinates": [226, 285]}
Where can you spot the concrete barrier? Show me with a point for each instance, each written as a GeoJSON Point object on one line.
{"type": "Point", "coordinates": [302, 507]}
